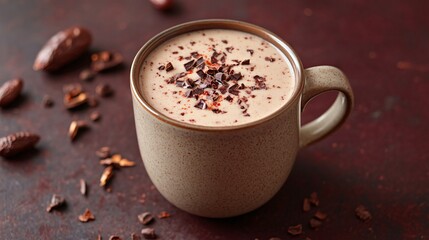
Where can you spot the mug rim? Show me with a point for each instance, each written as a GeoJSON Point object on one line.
{"type": "Point", "coordinates": [196, 25]}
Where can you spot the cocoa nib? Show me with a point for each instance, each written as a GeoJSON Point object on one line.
{"type": "Point", "coordinates": [163, 214]}
{"type": "Point", "coordinates": [56, 202]}
{"type": "Point", "coordinates": [314, 199]}
{"type": "Point", "coordinates": [145, 218]}
{"type": "Point", "coordinates": [86, 216]}
{"type": "Point", "coordinates": [103, 90]}
{"type": "Point", "coordinates": [17, 143]}
{"type": "Point", "coordinates": [106, 176]}
{"type": "Point", "coordinates": [75, 127]}
{"type": "Point", "coordinates": [306, 205]}
{"type": "Point", "coordinates": [314, 223]}
{"type": "Point", "coordinates": [95, 116]}
{"type": "Point", "coordinates": [47, 101]}
{"type": "Point", "coordinates": [270, 59]}
{"type": "Point", "coordinates": [362, 213]}
{"type": "Point", "coordinates": [295, 230]}
{"type": "Point", "coordinates": [105, 60]}
{"type": "Point", "coordinates": [62, 48]}
{"type": "Point", "coordinates": [103, 152]}
{"type": "Point", "coordinates": [149, 233]}
{"type": "Point", "coordinates": [10, 91]}
{"type": "Point", "coordinates": [87, 75]}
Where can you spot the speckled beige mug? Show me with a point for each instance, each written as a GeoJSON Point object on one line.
{"type": "Point", "coordinates": [225, 171]}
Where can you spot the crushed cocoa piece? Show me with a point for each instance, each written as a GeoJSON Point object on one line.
{"type": "Point", "coordinates": [295, 230]}
{"type": "Point", "coordinates": [145, 218]}
{"type": "Point", "coordinates": [86, 216]}
{"type": "Point", "coordinates": [362, 213]}
{"type": "Point", "coordinates": [56, 202]}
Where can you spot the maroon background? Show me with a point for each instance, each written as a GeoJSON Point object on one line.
{"type": "Point", "coordinates": [379, 158]}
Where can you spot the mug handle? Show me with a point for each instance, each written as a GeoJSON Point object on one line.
{"type": "Point", "coordinates": [318, 80]}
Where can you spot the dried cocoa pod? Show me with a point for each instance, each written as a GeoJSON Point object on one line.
{"type": "Point", "coordinates": [10, 91]}
{"type": "Point", "coordinates": [17, 143]}
{"type": "Point", "coordinates": [62, 48]}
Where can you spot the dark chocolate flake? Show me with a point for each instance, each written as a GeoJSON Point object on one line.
{"type": "Point", "coordinates": [162, 67]}
{"type": "Point", "coordinates": [250, 51]}
{"type": "Point", "coordinates": [169, 67]}
{"type": "Point", "coordinates": [189, 65]}
{"type": "Point", "coordinates": [246, 62]}
{"type": "Point", "coordinates": [233, 89]}
{"type": "Point", "coordinates": [201, 104]}
{"type": "Point", "coordinates": [189, 93]}
{"type": "Point", "coordinates": [236, 76]}
{"type": "Point", "coordinates": [229, 98]}
{"type": "Point", "coordinates": [201, 74]}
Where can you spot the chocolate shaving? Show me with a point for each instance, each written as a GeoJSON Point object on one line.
{"type": "Point", "coordinates": [162, 67]}
{"type": "Point", "coordinates": [229, 98]}
{"type": "Point", "coordinates": [233, 89]}
{"type": "Point", "coordinates": [201, 104]}
{"type": "Point", "coordinates": [189, 93]}
{"type": "Point", "coordinates": [200, 63]}
{"type": "Point", "coordinates": [236, 76]}
{"type": "Point", "coordinates": [225, 41]}
{"type": "Point", "coordinates": [250, 51]}
{"type": "Point", "coordinates": [201, 74]}
{"type": "Point", "coordinates": [189, 65]}
{"type": "Point", "coordinates": [229, 49]}
{"type": "Point", "coordinates": [246, 62]}
{"type": "Point", "coordinates": [86, 216]}
{"type": "Point", "coordinates": [169, 67]}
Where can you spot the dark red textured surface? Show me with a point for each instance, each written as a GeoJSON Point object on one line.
{"type": "Point", "coordinates": [378, 159]}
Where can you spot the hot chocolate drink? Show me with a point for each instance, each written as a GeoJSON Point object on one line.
{"type": "Point", "coordinates": [216, 77]}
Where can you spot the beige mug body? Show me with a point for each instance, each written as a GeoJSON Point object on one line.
{"type": "Point", "coordinates": [230, 170]}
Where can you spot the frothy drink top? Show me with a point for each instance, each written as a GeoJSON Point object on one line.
{"type": "Point", "coordinates": [216, 77]}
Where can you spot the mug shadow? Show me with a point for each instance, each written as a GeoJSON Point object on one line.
{"type": "Point", "coordinates": [282, 211]}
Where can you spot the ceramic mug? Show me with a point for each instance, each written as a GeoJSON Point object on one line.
{"type": "Point", "coordinates": [224, 171]}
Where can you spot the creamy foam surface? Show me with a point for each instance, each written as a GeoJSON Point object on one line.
{"type": "Point", "coordinates": [230, 78]}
